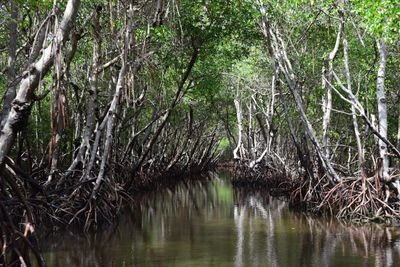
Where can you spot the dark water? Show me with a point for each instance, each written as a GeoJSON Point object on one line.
{"type": "Point", "coordinates": [211, 224]}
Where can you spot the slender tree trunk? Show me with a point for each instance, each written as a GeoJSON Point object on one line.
{"type": "Point", "coordinates": [353, 108]}
{"type": "Point", "coordinates": [237, 151]}
{"type": "Point", "coordinates": [271, 108]}
{"type": "Point", "coordinates": [250, 140]}
{"type": "Point", "coordinates": [264, 134]}
{"type": "Point", "coordinates": [94, 147]}
{"type": "Point", "coordinates": [84, 149]}
{"type": "Point", "coordinates": [353, 100]}
{"type": "Point", "coordinates": [114, 107]}
{"type": "Point", "coordinates": [327, 103]}
{"type": "Point", "coordinates": [57, 116]}
{"type": "Point", "coordinates": [164, 118]}
{"type": "Point", "coordinates": [382, 108]}
{"type": "Point", "coordinates": [277, 49]}
{"type": "Point", "coordinates": [112, 113]}
{"type": "Point", "coordinates": [398, 131]}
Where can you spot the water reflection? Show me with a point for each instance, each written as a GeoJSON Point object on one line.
{"type": "Point", "coordinates": [294, 239]}
{"type": "Point", "coordinates": [210, 224]}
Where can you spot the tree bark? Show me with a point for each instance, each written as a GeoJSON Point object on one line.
{"type": "Point", "coordinates": [84, 149]}
{"type": "Point", "coordinates": [382, 108]}
{"type": "Point", "coordinates": [327, 103]}
{"type": "Point", "coordinates": [21, 105]}
{"type": "Point", "coordinates": [114, 107]}
{"type": "Point", "coordinates": [360, 147]}
{"type": "Point", "coordinates": [57, 115]}
{"type": "Point", "coordinates": [237, 151]}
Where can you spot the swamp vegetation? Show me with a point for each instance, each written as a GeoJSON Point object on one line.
{"type": "Point", "coordinates": [105, 99]}
{"type": "Point", "coordinates": [212, 223]}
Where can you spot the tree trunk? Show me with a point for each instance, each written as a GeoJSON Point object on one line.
{"type": "Point", "coordinates": [57, 116]}
{"type": "Point", "coordinates": [327, 102]}
{"type": "Point", "coordinates": [382, 108]}
{"type": "Point", "coordinates": [398, 131]}
{"type": "Point", "coordinates": [84, 149]}
{"type": "Point", "coordinates": [277, 49]}
{"type": "Point", "coordinates": [21, 105]}
{"type": "Point", "coordinates": [113, 110]}
{"type": "Point", "coordinates": [237, 151]}
{"type": "Point", "coordinates": [353, 108]}
{"type": "Point", "coordinates": [164, 118]}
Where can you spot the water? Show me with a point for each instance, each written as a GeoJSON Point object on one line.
{"type": "Point", "coordinates": [211, 224]}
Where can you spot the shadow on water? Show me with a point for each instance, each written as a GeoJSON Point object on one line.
{"type": "Point", "coordinates": [208, 223]}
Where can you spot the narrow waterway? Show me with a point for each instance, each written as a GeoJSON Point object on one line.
{"type": "Point", "coordinates": [212, 224]}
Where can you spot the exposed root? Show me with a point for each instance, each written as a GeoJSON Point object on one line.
{"type": "Point", "coordinates": [263, 176]}
{"type": "Point", "coordinates": [358, 199]}
{"type": "Point", "coordinates": [69, 204]}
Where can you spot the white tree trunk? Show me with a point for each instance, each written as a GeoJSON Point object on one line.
{"type": "Point", "coordinates": [353, 108]}
{"type": "Point", "coordinates": [237, 150]}
{"type": "Point", "coordinates": [112, 114]}
{"type": "Point", "coordinates": [382, 108]}
{"type": "Point", "coordinates": [277, 49]}
{"type": "Point", "coordinates": [327, 103]}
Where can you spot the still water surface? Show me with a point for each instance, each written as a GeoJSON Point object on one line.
{"type": "Point", "coordinates": [212, 224]}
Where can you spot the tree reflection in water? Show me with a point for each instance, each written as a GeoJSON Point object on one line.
{"type": "Point", "coordinates": [207, 223]}
{"type": "Point", "coordinates": [295, 239]}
